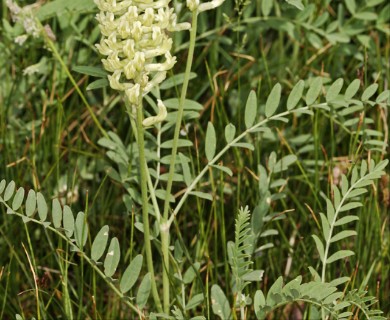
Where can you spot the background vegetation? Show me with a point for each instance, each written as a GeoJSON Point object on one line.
{"type": "Point", "coordinates": [50, 143]}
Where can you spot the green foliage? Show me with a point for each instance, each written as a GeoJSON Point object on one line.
{"type": "Point", "coordinates": [273, 114]}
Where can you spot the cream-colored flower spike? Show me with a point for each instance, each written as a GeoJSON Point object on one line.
{"type": "Point", "coordinates": [136, 46]}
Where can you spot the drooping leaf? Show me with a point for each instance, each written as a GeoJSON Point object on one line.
{"type": "Point", "coordinates": [211, 142]}
{"type": "Point", "coordinates": [252, 276]}
{"type": "Point", "coordinates": [296, 3]}
{"type": "Point", "coordinates": [42, 206]}
{"type": "Point", "coordinates": [31, 203]}
{"type": "Point", "coordinates": [320, 247]}
{"type": "Point", "coordinates": [284, 163]}
{"type": "Point", "coordinates": [18, 199]}
{"type": "Point", "coordinates": [68, 221]}
{"type": "Point", "coordinates": [325, 226]}
{"type": "Point", "coordinates": [259, 303]}
{"type": "Point", "coordinates": [369, 92]}
{"type": "Point", "coordinates": [330, 211]}
{"type": "Point", "coordinates": [230, 131]}
{"type": "Point", "coordinates": [98, 72]}
{"type": "Point", "coordinates": [186, 169]}
{"type": "Point", "coordinates": [295, 95]}
{"type": "Point", "coordinates": [345, 220]}
{"type": "Point", "coordinates": [81, 230]}
{"type": "Point", "coordinates": [266, 7]}
{"type": "Point", "coordinates": [250, 109]}
{"type": "Point", "coordinates": [352, 89]}
{"type": "Point", "coordinates": [273, 100]}
{"type": "Point", "coordinates": [190, 273]}
{"type": "Point", "coordinates": [203, 195]}
{"type": "Point", "coordinates": [180, 143]}
{"type": "Point", "coordinates": [98, 84]}
{"type": "Point", "coordinates": [99, 243]}
{"type": "Point", "coordinates": [334, 90]}
{"type": "Point", "coordinates": [131, 274]}
{"type": "Point", "coordinates": [314, 91]}
{"type": "Point", "coordinates": [144, 291]}
{"type": "Point", "coordinates": [175, 80]}
{"type": "Point", "coordinates": [350, 206]}
{"type": "Point", "coordinates": [343, 234]}
{"type": "Point", "coordinates": [9, 191]}
{"type": "Point", "coordinates": [112, 258]}
{"type": "Point", "coordinates": [344, 185]}
{"type": "Point", "coordinates": [383, 97]}
{"type": "Point", "coordinates": [57, 213]}
{"type": "Point", "coordinates": [220, 303]}
{"type": "Point", "coordinates": [223, 168]}
{"type": "Point", "coordinates": [195, 301]}
{"type": "Point", "coordinates": [3, 183]}
{"type": "Point", "coordinates": [340, 255]}
{"type": "Point", "coordinates": [351, 6]}
{"type": "Point", "coordinates": [245, 145]}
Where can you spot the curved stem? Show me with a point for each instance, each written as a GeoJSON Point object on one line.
{"type": "Point", "coordinates": [164, 226]}
{"type": "Point", "coordinates": [145, 202]}
{"type": "Point", "coordinates": [221, 153]}
{"type": "Point", "coordinates": [83, 254]}
{"type": "Point", "coordinates": [332, 225]}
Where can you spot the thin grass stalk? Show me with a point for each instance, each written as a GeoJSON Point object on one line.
{"type": "Point", "coordinates": [145, 202]}
{"type": "Point", "coordinates": [164, 226]}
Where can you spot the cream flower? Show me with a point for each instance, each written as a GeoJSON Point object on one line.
{"type": "Point", "coordinates": [136, 45]}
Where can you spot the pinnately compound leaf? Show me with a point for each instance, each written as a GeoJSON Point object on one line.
{"type": "Point", "coordinates": [273, 100]}
{"type": "Point", "coordinates": [250, 109]}
{"type": "Point", "coordinates": [99, 243]}
{"type": "Point", "coordinates": [57, 213]}
{"type": "Point", "coordinates": [68, 221]}
{"type": "Point", "coordinates": [18, 199]}
{"type": "Point", "coordinates": [352, 89]}
{"type": "Point", "coordinates": [230, 131]}
{"type": "Point", "coordinates": [144, 291]}
{"type": "Point", "coordinates": [9, 191]}
{"type": "Point", "coordinates": [295, 95]}
{"type": "Point", "coordinates": [81, 230]}
{"type": "Point", "coordinates": [112, 258]}
{"type": "Point", "coordinates": [31, 203]}
{"type": "Point", "coordinates": [42, 206]}
{"type": "Point", "coordinates": [211, 142]}
{"type": "Point", "coordinates": [220, 303]}
{"type": "Point", "coordinates": [131, 274]}
{"type": "Point", "coordinates": [314, 91]}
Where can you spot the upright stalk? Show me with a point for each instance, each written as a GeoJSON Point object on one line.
{"type": "Point", "coordinates": [145, 204]}
{"type": "Point", "coordinates": [164, 225]}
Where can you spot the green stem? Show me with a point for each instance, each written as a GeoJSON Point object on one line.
{"type": "Point", "coordinates": [164, 226]}
{"type": "Point", "coordinates": [82, 254]}
{"type": "Point", "coordinates": [145, 202]}
{"type": "Point", "coordinates": [221, 153]}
